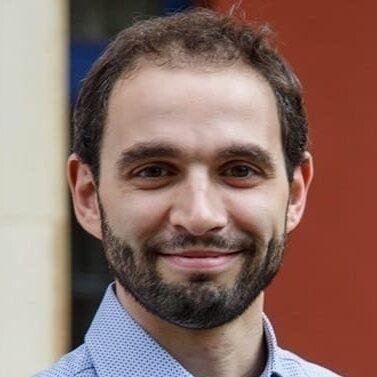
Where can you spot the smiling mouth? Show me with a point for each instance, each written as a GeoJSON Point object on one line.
{"type": "Point", "coordinates": [198, 260]}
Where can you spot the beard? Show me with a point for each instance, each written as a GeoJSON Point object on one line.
{"type": "Point", "coordinates": [198, 303]}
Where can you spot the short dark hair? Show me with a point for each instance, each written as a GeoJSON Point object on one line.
{"type": "Point", "coordinates": [197, 36]}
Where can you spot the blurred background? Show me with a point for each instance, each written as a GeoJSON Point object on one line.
{"type": "Point", "coordinates": [53, 275]}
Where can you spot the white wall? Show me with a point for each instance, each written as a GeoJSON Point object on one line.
{"type": "Point", "coordinates": [34, 302]}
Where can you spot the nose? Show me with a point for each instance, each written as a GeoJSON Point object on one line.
{"type": "Point", "coordinates": [197, 208]}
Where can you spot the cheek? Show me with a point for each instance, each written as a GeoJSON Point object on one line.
{"type": "Point", "coordinates": [259, 211]}
{"type": "Point", "coordinates": [136, 216]}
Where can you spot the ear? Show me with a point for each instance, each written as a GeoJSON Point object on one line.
{"type": "Point", "coordinates": [84, 195]}
{"type": "Point", "coordinates": [299, 187]}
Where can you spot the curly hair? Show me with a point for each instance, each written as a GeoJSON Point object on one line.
{"type": "Point", "coordinates": [200, 37]}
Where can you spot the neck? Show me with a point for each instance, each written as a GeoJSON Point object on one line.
{"type": "Point", "coordinates": [235, 349]}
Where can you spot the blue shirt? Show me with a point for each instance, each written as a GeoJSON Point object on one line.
{"type": "Point", "coordinates": [115, 345]}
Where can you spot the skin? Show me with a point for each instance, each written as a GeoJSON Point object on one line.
{"type": "Point", "coordinates": [198, 112]}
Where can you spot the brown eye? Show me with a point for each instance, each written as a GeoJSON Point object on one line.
{"type": "Point", "coordinates": [154, 171]}
{"type": "Point", "coordinates": [240, 171]}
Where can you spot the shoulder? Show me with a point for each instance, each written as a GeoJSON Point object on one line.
{"type": "Point", "coordinates": [74, 364]}
{"type": "Point", "coordinates": [294, 365]}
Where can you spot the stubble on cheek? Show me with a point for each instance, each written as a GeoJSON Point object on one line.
{"type": "Point", "coordinates": [199, 301]}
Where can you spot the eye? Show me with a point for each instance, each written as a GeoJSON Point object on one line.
{"type": "Point", "coordinates": [241, 175]}
{"type": "Point", "coordinates": [240, 171]}
{"type": "Point", "coordinates": [153, 172]}
{"type": "Point", "coordinates": [153, 176]}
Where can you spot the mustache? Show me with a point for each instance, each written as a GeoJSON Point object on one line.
{"type": "Point", "coordinates": [185, 241]}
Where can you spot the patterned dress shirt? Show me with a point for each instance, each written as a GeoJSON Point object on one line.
{"type": "Point", "coordinates": [116, 346]}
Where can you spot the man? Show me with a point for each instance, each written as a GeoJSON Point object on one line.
{"type": "Point", "coordinates": [190, 164]}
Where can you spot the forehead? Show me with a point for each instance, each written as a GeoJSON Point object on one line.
{"type": "Point", "coordinates": [198, 110]}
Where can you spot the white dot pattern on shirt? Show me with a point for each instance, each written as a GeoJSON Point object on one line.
{"type": "Point", "coordinates": [116, 346]}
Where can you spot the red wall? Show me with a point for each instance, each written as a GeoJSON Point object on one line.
{"type": "Point", "coordinates": [323, 303]}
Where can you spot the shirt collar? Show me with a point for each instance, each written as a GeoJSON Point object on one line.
{"type": "Point", "coordinates": [273, 366]}
{"type": "Point", "coordinates": [116, 342]}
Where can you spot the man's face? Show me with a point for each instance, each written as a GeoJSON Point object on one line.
{"type": "Point", "coordinates": [193, 191]}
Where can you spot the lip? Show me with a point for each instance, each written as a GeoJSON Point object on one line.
{"type": "Point", "coordinates": [200, 260]}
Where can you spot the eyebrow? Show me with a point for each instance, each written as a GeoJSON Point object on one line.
{"type": "Point", "coordinates": [249, 151]}
{"type": "Point", "coordinates": [143, 151]}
